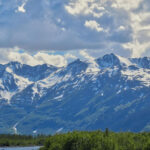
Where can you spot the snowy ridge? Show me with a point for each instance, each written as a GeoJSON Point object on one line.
{"type": "Point", "coordinates": [75, 74]}
{"type": "Point", "coordinates": [87, 94]}
{"type": "Point", "coordinates": [124, 61]}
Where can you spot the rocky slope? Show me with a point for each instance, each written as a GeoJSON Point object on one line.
{"type": "Point", "coordinates": [110, 91]}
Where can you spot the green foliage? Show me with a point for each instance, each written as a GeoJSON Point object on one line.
{"type": "Point", "coordinates": [98, 140]}
{"type": "Point", "coordinates": [21, 140]}
{"type": "Point", "coordinates": [147, 146]}
{"type": "Point", "coordinates": [107, 132]}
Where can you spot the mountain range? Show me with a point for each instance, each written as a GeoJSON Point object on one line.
{"type": "Point", "coordinates": [109, 92]}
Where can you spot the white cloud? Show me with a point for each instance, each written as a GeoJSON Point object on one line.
{"type": "Point", "coordinates": [85, 7]}
{"type": "Point", "coordinates": [13, 54]}
{"type": "Point", "coordinates": [70, 56]}
{"type": "Point", "coordinates": [136, 18]}
{"type": "Point", "coordinates": [22, 58]}
{"type": "Point", "coordinates": [92, 24]}
{"type": "Point", "coordinates": [21, 7]}
{"type": "Point", "coordinates": [56, 60]}
{"type": "Point", "coordinates": [93, 66]}
{"type": "Point", "coordinates": [121, 28]}
{"type": "Point", "coordinates": [86, 56]}
{"type": "Point", "coordinates": [125, 4]}
{"type": "Point", "coordinates": [42, 26]}
{"type": "Point", "coordinates": [137, 46]}
{"type": "Point", "coordinates": [141, 33]}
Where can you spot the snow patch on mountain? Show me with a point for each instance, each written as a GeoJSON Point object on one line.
{"type": "Point", "coordinates": [6, 95]}
{"type": "Point", "coordinates": [74, 75]}
{"type": "Point", "coordinates": [142, 75]}
{"type": "Point", "coordinates": [93, 67]}
{"type": "Point", "coordinates": [124, 61]}
{"type": "Point", "coordinates": [50, 81]}
{"type": "Point", "coordinates": [21, 82]}
{"type": "Point", "coordinates": [9, 70]}
{"type": "Point", "coordinates": [59, 97]}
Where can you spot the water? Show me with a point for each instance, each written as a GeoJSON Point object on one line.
{"type": "Point", "coordinates": [20, 148]}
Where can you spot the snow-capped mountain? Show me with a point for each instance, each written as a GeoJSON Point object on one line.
{"type": "Point", "coordinates": [110, 91]}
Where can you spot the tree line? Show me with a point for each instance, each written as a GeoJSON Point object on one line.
{"type": "Point", "coordinates": [7, 140]}
{"type": "Point", "coordinates": [98, 140]}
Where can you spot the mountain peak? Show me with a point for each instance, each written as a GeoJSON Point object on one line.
{"type": "Point", "coordinates": [13, 63]}
{"type": "Point", "coordinates": [142, 62]}
{"type": "Point", "coordinates": [77, 66]}
{"type": "Point", "coordinates": [111, 55]}
{"type": "Point", "coordinates": [77, 61]}
{"type": "Point", "coordinates": [108, 60]}
{"type": "Point", "coordinates": [111, 87]}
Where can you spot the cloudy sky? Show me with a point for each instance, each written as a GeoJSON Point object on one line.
{"type": "Point", "coordinates": [59, 31]}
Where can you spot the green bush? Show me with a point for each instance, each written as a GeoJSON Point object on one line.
{"type": "Point", "coordinates": [98, 140]}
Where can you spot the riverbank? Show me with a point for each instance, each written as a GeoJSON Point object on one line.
{"type": "Point", "coordinates": [20, 148]}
